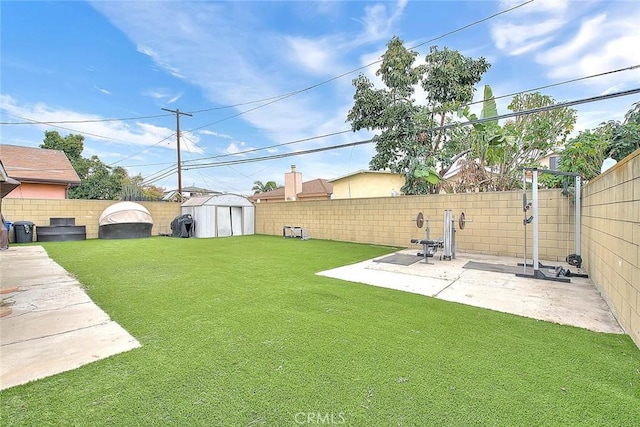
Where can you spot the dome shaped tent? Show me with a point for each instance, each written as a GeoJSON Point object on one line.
{"type": "Point", "coordinates": [125, 220]}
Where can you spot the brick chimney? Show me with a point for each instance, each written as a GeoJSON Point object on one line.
{"type": "Point", "coordinates": [292, 184]}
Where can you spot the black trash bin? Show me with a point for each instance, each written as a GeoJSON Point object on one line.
{"type": "Point", "coordinates": [23, 231]}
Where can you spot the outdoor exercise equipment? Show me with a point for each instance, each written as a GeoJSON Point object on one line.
{"type": "Point", "coordinates": [573, 259]}
{"type": "Point", "coordinates": [447, 243]}
{"type": "Point", "coordinates": [560, 271]}
{"type": "Point", "coordinates": [429, 247]}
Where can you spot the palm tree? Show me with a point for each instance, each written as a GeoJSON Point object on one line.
{"type": "Point", "coordinates": [259, 187]}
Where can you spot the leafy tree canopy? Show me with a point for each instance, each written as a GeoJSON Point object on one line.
{"type": "Point", "coordinates": [259, 187]}
{"type": "Point", "coordinates": [97, 180]}
{"type": "Point", "coordinates": [72, 145]}
{"type": "Point", "coordinates": [585, 153]}
{"type": "Point", "coordinates": [134, 188]}
{"type": "Point", "coordinates": [404, 142]}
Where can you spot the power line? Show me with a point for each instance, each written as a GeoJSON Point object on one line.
{"type": "Point", "coordinates": [51, 124]}
{"type": "Point", "coordinates": [31, 122]}
{"type": "Point", "coordinates": [178, 113]}
{"type": "Point", "coordinates": [272, 146]}
{"type": "Point", "coordinates": [467, 123]}
{"type": "Point", "coordinates": [151, 177]}
{"type": "Point", "coordinates": [65, 128]}
{"type": "Point", "coordinates": [543, 109]}
{"type": "Point", "coordinates": [270, 100]}
{"type": "Point", "coordinates": [141, 151]}
{"type": "Point", "coordinates": [633, 67]}
{"type": "Point", "coordinates": [277, 98]}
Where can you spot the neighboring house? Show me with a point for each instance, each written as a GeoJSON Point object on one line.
{"type": "Point", "coordinates": [188, 192]}
{"type": "Point", "coordinates": [367, 183]}
{"type": "Point", "coordinates": [550, 161]}
{"type": "Point", "coordinates": [294, 189]}
{"type": "Point", "coordinates": [43, 173]}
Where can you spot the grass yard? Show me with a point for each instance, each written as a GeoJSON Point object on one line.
{"type": "Point", "coordinates": [241, 332]}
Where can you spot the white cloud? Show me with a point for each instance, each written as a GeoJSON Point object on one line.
{"type": "Point", "coordinates": [235, 148]}
{"type": "Point", "coordinates": [163, 95]}
{"type": "Point", "coordinates": [539, 6]}
{"type": "Point", "coordinates": [232, 67]}
{"type": "Point", "coordinates": [146, 50]}
{"type": "Point", "coordinates": [106, 92]}
{"type": "Point", "coordinates": [602, 43]}
{"type": "Point", "coordinates": [574, 39]}
{"type": "Point", "coordinates": [317, 56]}
{"type": "Point", "coordinates": [138, 133]}
{"type": "Point", "coordinates": [212, 133]}
{"type": "Point", "coordinates": [378, 23]}
{"type": "Point", "coordinates": [583, 40]}
{"type": "Point", "coordinates": [174, 98]}
{"type": "Point", "coordinates": [519, 38]}
{"type": "Point", "coordinates": [155, 94]}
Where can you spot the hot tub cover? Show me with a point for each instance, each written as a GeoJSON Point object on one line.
{"type": "Point", "coordinates": [125, 213]}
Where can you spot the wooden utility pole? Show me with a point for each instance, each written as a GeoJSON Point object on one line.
{"type": "Point", "coordinates": [177, 113]}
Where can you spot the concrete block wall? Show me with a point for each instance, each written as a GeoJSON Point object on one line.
{"type": "Point", "coordinates": [495, 225]}
{"type": "Point", "coordinates": [85, 212]}
{"type": "Point", "coordinates": [611, 239]}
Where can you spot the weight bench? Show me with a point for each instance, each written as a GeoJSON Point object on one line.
{"type": "Point", "coordinates": [429, 247]}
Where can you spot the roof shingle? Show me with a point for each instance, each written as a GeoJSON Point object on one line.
{"type": "Point", "coordinates": [28, 164]}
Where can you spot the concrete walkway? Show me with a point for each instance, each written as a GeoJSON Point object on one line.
{"type": "Point", "coordinates": [578, 303]}
{"type": "Point", "coordinates": [52, 325]}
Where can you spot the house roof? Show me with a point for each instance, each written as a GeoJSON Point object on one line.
{"type": "Point", "coordinates": [193, 189]}
{"type": "Point", "coordinates": [6, 184]}
{"type": "Point", "coordinates": [313, 188]}
{"type": "Point", "coordinates": [218, 200]}
{"type": "Point", "coordinates": [38, 165]}
{"type": "Point", "coordinates": [361, 171]}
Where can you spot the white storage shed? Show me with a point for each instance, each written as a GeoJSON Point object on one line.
{"type": "Point", "coordinates": [221, 215]}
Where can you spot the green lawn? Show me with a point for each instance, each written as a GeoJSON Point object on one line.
{"type": "Point", "coordinates": [241, 332]}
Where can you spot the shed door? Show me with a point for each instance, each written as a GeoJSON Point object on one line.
{"type": "Point", "coordinates": [223, 214]}
{"type": "Point", "coordinates": [236, 221]}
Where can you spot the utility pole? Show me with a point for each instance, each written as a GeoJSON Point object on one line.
{"type": "Point", "coordinates": [177, 113]}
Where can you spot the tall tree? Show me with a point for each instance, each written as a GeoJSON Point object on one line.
{"type": "Point", "coordinates": [449, 81]}
{"type": "Point", "coordinates": [404, 140]}
{"type": "Point", "coordinates": [97, 180]}
{"type": "Point", "coordinates": [485, 149]}
{"type": "Point", "coordinates": [585, 153]}
{"type": "Point", "coordinates": [72, 145]}
{"type": "Point", "coordinates": [624, 138]}
{"type": "Point", "coordinates": [532, 136]}
{"type": "Point", "coordinates": [133, 188]}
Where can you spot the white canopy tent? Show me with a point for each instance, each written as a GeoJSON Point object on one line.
{"type": "Point", "coordinates": [221, 215]}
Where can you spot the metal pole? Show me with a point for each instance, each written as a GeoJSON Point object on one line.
{"type": "Point", "coordinates": [578, 197]}
{"type": "Point", "coordinates": [534, 205]}
{"type": "Point", "coordinates": [177, 113]}
{"type": "Point", "coordinates": [524, 221]}
{"type": "Point", "coordinates": [447, 234]}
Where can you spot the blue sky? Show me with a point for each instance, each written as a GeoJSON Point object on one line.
{"type": "Point", "coordinates": [90, 61]}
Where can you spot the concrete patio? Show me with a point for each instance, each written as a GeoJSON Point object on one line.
{"type": "Point", "coordinates": [52, 325]}
{"type": "Point", "coordinates": [577, 303]}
